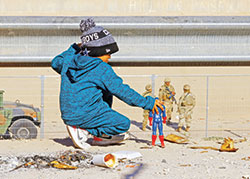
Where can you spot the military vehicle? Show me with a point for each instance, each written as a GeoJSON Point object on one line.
{"type": "Point", "coordinates": [17, 120]}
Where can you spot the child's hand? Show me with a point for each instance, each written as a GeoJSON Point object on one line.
{"type": "Point", "coordinates": [164, 120]}
{"type": "Point", "coordinates": [157, 104]}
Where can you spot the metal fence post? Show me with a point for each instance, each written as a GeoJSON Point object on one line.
{"type": "Point", "coordinates": [153, 77]}
{"type": "Point", "coordinates": [42, 78]}
{"type": "Point", "coordinates": [207, 107]}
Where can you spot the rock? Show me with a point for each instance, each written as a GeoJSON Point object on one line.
{"type": "Point", "coordinates": [222, 167]}
{"type": "Point", "coordinates": [163, 161]}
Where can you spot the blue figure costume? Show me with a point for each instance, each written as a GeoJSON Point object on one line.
{"type": "Point", "coordinates": [157, 121]}
{"type": "Point", "coordinates": [87, 88]}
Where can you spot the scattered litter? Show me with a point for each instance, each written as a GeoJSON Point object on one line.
{"type": "Point", "coordinates": [227, 146]}
{"type": "Point", "coordinates": [111, 160]}
{"type": "Point", "coordinates": [72, 160]}
{"type": "Point", "coordinates": [133, 166]}
{"type": "Point", "coordinates": [146, 147]}
{"type": "Point", "coordinates": [235, 141]}
{"type": "Point", "coordinates": [138, 168]}
{"type": "Point", "coordinates": [246, 158]}
{"type": "Point", "coordinates": [185, 165]}
{"type": "Point", "coordinates": [176, 139]}
{"type": "Point", "coordinates": [240, 140]}
{"type": "Point", "coordinates": [198, 147]}
{"type": "Point", "coordinates": [233, 133]}
{"type": "Point", "coordinates": [60, 165]}
{"type": "Point", "coordinates": [65, 160]}
{"type": "Point", "coordinates": [127, 155]}
{"type": "Point", "coordinates": [105, 160]}
{"type": "Point", "coordinates": [205, 151]}
{"type": "Point", "coordinates": [213, 138]}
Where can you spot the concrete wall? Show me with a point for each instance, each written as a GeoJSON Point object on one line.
{"type": "Point", "coordinates": [125, 8]}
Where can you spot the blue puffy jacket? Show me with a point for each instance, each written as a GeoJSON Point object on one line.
{"type": "Point", "coordinates": [87, 87]}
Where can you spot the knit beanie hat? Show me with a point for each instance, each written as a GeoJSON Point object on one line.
{"type": "Point", "coordinates": [96, 41]}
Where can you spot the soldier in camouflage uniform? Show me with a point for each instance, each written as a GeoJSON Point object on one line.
{"type": "Point", "coordinates": [166, 94]}
{"type": "Point", "coordinates": [148, 92]}
{"type": "Point", "coordinates": [185, 107]}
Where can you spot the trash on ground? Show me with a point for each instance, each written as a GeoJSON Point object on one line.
{"type": "Point", "coordinates": [227, 146]}
{"type": "Point", "coordinates": [105, 160]}
{"type": "Point", "coordinates": [176, 139]}
{"type": "Point", "coordinates": [240, 140]}
{"type": "Point", "coordinates": [65, 160]}
{"type": "Point", "coordinates": [200, 147]}
{"type": "Point", "coordinates": [146, 147]}
{"type": "Point", "coordinates": [138, 168]}
{"type": "Point", "coordinates": [185, 165]}
{"type": "Point", "coordinates": [246, 158]}
{"type": "Point", "coordinates": [205, 151]}
{"type": "Point", "coordinates": [213, 138]}
{"type": "Point", "coordinates": [127, 155]}
{"type": "Point", "coordinates": [61, 165]}
{"type": "Point", "coordinates": [133, 166]}
{"type": "Point", "coordinates": [71, 160]}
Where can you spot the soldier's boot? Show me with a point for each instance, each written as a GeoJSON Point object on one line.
{"type": "Point", "coordinates": [161, 137]}
{"type": "Point", "coordinates": [178, 129]}
{"type": "Point", "coordinates": [144, 125]}
{"type": "Point", "coordinates": [169, 121]}
{"type": "Point", "coordinates": [153, 140]}
{"type": "Point", "coordinates": [187, 128]}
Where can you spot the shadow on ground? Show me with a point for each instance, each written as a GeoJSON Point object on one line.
{"type": "Point", "coordinates": [68, 142]}
{"type": "Point", "coordinates": [65, 141]}
{"type": "Point", "coordinates": [137, 140]}
{"type": "Point", "coordinates": [173, 125]}
{"type": "Point", "coordinates": [141, 141]}
{"type": "Point", "coordinates": [139, 124]}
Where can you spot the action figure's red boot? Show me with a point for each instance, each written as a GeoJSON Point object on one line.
{"type": "Point", "coordinates": [161, 137]}
{"type": "Point", "coordinates": [153, 140]}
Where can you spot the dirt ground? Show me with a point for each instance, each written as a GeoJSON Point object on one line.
{"type": "Point", "coordinates": [227, 111]}
{"type": "Point", "coordinates": [174, 161]}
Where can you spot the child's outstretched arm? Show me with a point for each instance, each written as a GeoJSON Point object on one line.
{"type": "Point", "coordinates": [115, 85]}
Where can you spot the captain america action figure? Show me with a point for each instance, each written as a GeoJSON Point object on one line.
{"type": "Point", "coordinates": [155, 120]}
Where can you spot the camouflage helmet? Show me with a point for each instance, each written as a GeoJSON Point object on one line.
{"type": "Point", "coordinates": [186, 87]}
{"type": "Point", "coordinates": [167, 80]}
{"type": "Point", "coordinates": [148, 87]}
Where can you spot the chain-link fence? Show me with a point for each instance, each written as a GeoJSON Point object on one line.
{"type": "Point", "coordinates": [222, 101]}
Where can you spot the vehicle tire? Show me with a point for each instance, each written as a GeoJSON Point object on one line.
{"type": "Point", "coordinates": [23, 129]}
{"type": "Point", "coordinates": [6, 135]}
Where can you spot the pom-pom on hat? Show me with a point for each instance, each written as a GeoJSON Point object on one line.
{"type": "Point", "coordinates": [96, 41]}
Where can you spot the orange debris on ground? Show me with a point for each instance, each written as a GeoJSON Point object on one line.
{"type": "Point", "coordinates": [227, 146]}
{"type": "Point", "coordinates": [176, 139]}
